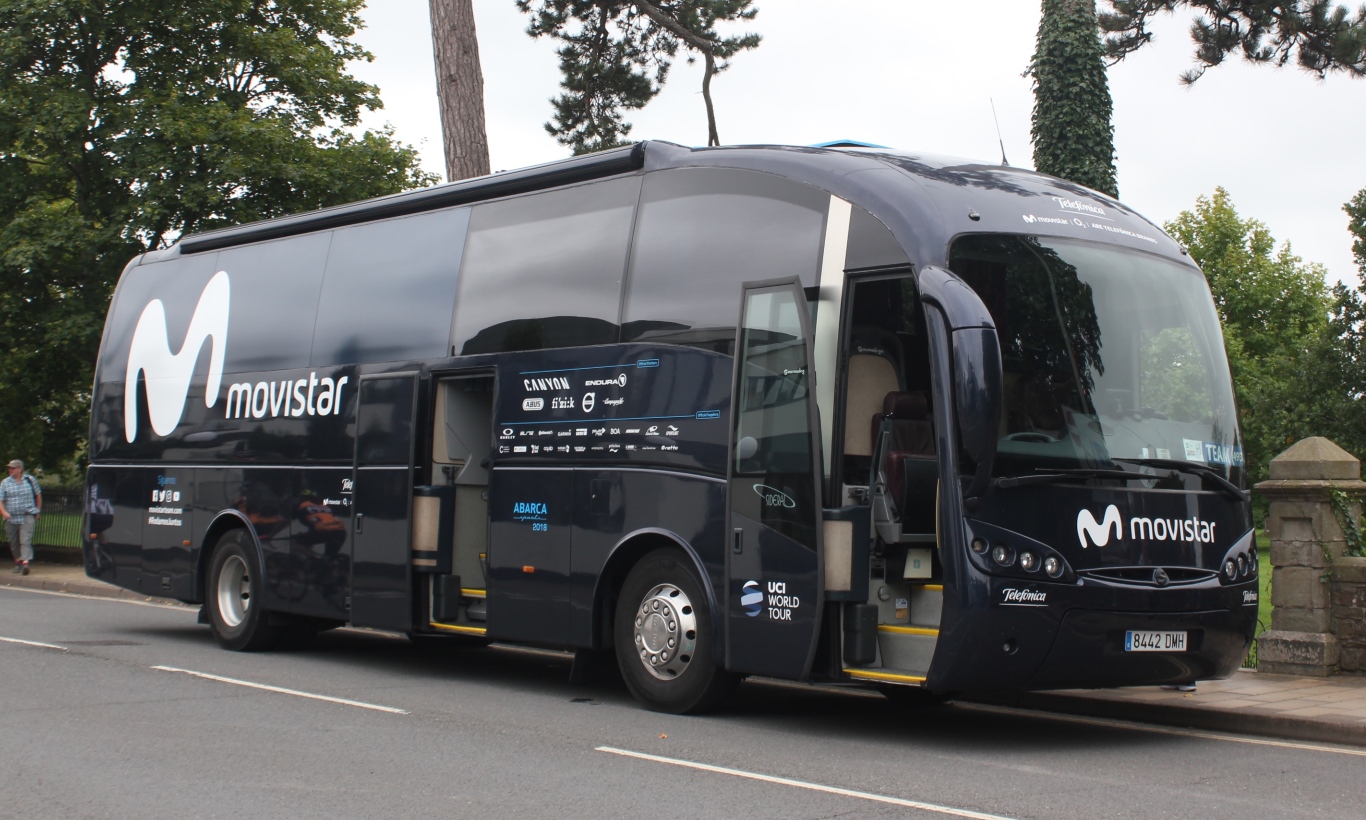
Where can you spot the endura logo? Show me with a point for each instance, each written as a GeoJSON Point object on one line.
{"type": "Point", "coordinates": [168, 374]}
{"type": "Point", "coordinates": [1099, 532]}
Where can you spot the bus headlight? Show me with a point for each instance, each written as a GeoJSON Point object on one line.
{"type": "Point", "coordinates": [1029, 561]}
{"type": "Point", "coordinates": [1052, 566]}
{"type": "Point", "coordinates": [979, 546]}
{"type": "Point", "coordinates": [1242, 565]}
{"type": "Point", "coordinates": [1002, 555]}
{"type": "Point", "coordinates": [1230, 569]}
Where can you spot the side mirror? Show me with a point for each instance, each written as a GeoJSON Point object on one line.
{"type": "Point", "coordinates": [977, 379]}
{"type": "Point", "coordinates": [977, 399]}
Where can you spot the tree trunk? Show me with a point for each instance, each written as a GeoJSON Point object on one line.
{"type": "Point", "coordinates": [460, 87]}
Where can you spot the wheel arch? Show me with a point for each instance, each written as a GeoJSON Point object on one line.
{"type": "Point", "coordinates": [624, 555]}
{"type": "Point", "coordinates": [223, 523]}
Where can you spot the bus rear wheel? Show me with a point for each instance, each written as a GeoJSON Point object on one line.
{"type": "Point", "coordinates": [664, 640]}
{"type": "Point", "coordinates": [236, 616]}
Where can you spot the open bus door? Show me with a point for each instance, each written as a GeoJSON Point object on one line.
{"type": "Point", "coordinates": [774, 566]}
{"type": "Point", "coordinates": [382, 490]}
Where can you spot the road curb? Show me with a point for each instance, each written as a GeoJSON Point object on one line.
{"type": "Point", "coordinates": [94, 589]}
{"type": "Point", "coordinates": [1259, 723]}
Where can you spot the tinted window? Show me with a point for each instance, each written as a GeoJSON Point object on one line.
{"type": "Point", "coordinates": [178, 283]}
{"type": "Point", "coordinates": [390, 289]}
{"type": "Point", "coordinates": [703, 231]}
{"type": "Point", "coordinates": [274, 301]}
{"type": "Point", "coordinates": [384, 430]}
{"type": "Point", "coordinates": [545, 270]}
{"type": "Point", "coordinates": [871, 245]}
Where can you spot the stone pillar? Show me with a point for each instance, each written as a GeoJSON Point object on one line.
{"type": "Point", "coordinates": [1306, 544]}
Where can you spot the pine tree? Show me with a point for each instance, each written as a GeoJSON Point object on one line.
{"type": "Point", "coordinates": [1320, 36]}
{"type": "Point", "coordinates": [615, 56]}
{"type": "Point", "coordinates": [459, 88]}
{"type": "Point", "coordinates": [1072, 132]}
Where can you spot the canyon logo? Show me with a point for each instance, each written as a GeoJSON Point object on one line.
{"type": "Point", "coordinates": [1190, 530]}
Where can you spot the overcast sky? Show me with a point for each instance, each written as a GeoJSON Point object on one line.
{"type": "Point", "coordinates": [920, 75]}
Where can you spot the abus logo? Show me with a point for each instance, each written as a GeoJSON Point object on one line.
{"type": "Point", "coordinates": [619, 381]}
{"type": "Point", "coordinates": [168, 374]}
{"type": "Point", "coordinates": [1099, 532]}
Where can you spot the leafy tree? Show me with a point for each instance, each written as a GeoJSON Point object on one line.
{"type": "Point", "coordinates": [1320, 36]}
{"type": "Point", "coordinates": [615, 56]}
{"type": "Point", "coordinates": [1073, 136]}
{"type": "Point", "coordinates": [130, 122]}
{"type": "Point", "coordinates": [1275, 309]}
{"type": "Point", "coordinates": [459, 88]}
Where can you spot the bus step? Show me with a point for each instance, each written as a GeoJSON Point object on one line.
{"type": "Point", "coordinates": [459, 629]}
{"type": "Point", "coordinates": [906, 649]}
{"type": "Point", "coordinates": [884, 675]}
{"type": "Point", "coordinates": [926, 603]}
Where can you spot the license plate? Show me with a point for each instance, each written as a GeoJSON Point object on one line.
{"type": "Point", "coordinates": [1148, 640]}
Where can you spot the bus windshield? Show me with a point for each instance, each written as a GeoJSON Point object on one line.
{"type": "Point", "coordinates": [1110, 357]}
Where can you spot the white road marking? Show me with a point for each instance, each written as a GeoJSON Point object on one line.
{"type": "Point", "coordinates": [34, 643]}
{"type": "Point", "coordinates": [802, 784]}
{"type": "Point", "coordinates": [281, 690]}
{"type": "Point", "coordinates": [1112, 723]}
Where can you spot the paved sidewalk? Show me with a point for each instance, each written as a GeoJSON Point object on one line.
{"type": "Point", "coordinates": [67, 578]}
{"type": "Point", "coordinates": [1327, 710]}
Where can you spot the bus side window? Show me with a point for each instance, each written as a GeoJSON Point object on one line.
{"type": "Point", "coordinates": [545, 270]}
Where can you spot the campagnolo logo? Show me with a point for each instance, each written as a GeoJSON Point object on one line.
{"type": "Point", "coordinates": [619, 381]}
{"type": "Point", "coordinates": [1189, 530]}
{"type": "Point", "coordinates": [168, 374]}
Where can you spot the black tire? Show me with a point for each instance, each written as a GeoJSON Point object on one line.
{"type": "Point", "coordinates": [663, 600]}
{"type": "Point", "coordinates": [233, 597]}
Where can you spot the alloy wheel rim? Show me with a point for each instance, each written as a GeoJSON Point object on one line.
{"type": "Point", "coordinates": [665, 632]}
{"type": "Point", "coordinates": [234, 591]}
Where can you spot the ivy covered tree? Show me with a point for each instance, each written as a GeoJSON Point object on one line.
{"type": "Point", "coordinates": [1319, 36]}
{"type": "Point", "coordinates": [615, 56]}
{"type": "Point", "coordinates": [130, 122]}
{"type": "Point", "coordinates": [1072, 133]}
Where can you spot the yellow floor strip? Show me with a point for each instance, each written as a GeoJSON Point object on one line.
{"type": "Point", "coordinates": [908, 630]}
{"type": "Point", "coordinates": [474, 593]}
{"type": "Point", "coordinates": [933, 587]}
{"type": "Point", "coordinates": [464, 630]}
{"type": "Point", "coordinates": [874, 674]}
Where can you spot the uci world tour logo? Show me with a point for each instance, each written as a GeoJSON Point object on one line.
{"type": "Point", "coordinates": [752, 598]}
{"type": "Point", "coordinates": [1099, 531]}
{"type": "Point", "coordinates": [168, 374]}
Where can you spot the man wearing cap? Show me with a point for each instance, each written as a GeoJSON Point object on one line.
{"type": "Point", "coordinates": [21, 501]}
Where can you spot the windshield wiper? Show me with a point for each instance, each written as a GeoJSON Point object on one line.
{"type": "Point", "coordinates": [1225, 486]}
{"type": "Point", "coordinates": [1063, 475]}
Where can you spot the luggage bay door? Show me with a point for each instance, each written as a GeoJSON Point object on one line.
{"type": "Point", "coordinates": [382, 495]}
{"type": "Point", "coordinates": [774, 565]}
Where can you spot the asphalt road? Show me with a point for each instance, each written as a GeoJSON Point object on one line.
{"type": "Point", "coordinates": [99, 723]}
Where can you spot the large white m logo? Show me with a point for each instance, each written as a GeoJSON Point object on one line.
{"type": "Point", "coordinates": [168, 374]}
{"type": "Point", "coordinates": [1099, 532]}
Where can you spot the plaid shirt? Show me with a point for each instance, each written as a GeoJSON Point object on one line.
{"type": "Point", "coordinates": [18, 497]}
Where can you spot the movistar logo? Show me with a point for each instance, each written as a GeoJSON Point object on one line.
{"type": "Point", "coordinates": [1099, 532]}
{"type": "Point", "coordinates": [168, 374]}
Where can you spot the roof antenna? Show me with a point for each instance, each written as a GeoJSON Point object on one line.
{"type": "Point", "coordinates": [1004, 161]}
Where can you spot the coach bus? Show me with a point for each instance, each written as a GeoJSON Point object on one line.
{"type": "Point", "coordinates": [836, 414]}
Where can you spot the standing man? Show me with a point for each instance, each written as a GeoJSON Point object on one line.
{"type": "Point", "coordinates": [21, 502]}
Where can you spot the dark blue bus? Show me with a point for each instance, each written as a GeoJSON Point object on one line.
{"type": "Point", "coordinates": [822, 414]}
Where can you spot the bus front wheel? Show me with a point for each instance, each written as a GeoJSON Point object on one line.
{"type": "Point", "coordinates": [236, 616]}
{"type": "Point", "coordinates": [664, 638]}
